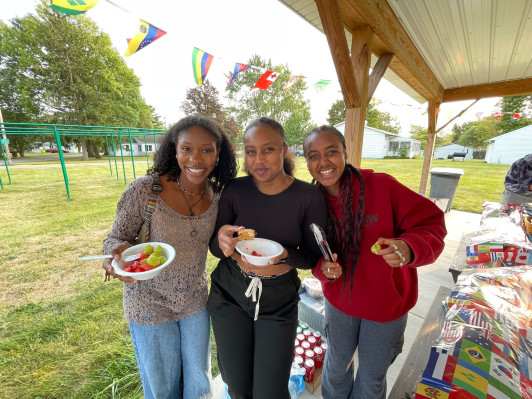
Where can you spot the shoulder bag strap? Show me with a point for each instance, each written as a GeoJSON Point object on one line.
{"type": "Point", "coordinates": [156, 188]}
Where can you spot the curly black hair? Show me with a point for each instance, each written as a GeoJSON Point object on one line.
{"type": "Point", "coordinates": [345, 233]}
{"type": "Point", "coordinates": [288, 162]}
{"type": "Point", "coordinates": [165, 158]}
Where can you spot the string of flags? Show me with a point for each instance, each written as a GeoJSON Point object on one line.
{"type": "Point", "coordinates": [202, 61]}
{"type": "Point", "coordinates": [146, 34]}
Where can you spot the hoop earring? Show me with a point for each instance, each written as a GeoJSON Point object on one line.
{"type": "Point", "coordinates": [217, 159]}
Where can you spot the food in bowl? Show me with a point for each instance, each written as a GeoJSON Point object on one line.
{"type": "Point", "coordinates": [154, 257]}
{"type": "Point", "coordinates": [246, 234]}
{"type": "Point", "coordinates": [149, 259]}
{"type": "Point", "coordinates": [259, 251]}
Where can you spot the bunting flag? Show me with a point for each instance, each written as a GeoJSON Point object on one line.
{"type": "Point", "coordinates": [238, 68]}
{"type": "Point", "coordinates": [292, 79]}
{"type": "Point", "coordinates": [147, 33]}
{"type": "Point", "coordinates": [201, 62]}
{"type": "Point", "coordinates": [266, 80]}
{"type": "Point", "coordinates": [321, 85]}
{"type": "Point", "coordinates": [73, 7]}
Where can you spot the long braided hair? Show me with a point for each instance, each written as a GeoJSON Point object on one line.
{"type": "Point", "coordinates": [344, 233]}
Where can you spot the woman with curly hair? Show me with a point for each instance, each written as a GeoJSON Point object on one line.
{"type": "Point", "coordinates": [169, 326]}
{"type": "Point", "coordinates": [382, 232]}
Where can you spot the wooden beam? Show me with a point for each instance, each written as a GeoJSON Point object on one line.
{"type": "Point", "coordinates": [457, 115]}
{"type": "Point", "coordinates": [381, 18]}
{"type": "Point", "coordinates": [334, 31]}
{"type": "Point", "coordinates": [429, 149]}
{"type": "Point", "coordinates": [377, 72]}
{"type": "Point", "coordinates": [356, 116]}
{"type": "Point", "coordinates": [501, 89]}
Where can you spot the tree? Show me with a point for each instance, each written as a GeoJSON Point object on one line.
{"type": "Point", "coordinates": [478, 133]}
{"type": "Point", "coordinates": [336, 113]}
{"type": "Point", "coordinates": [381, 120]}
{"type": "Point", "coordinates": [205, 100]}
{"type": "Point", "coordinates": [511, 106]}
{"type": "Point", "coordinates": [288, 107]}
{"type": "Point", "coordinates": [62, 69]}
{"type": "Point", "coordinates": [420, 133]}
{"type": "Point", "coordinates": [375, 118]}
{"type": "Point", "coordinates": [458, 130]}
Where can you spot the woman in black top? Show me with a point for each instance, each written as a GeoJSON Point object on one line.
{"type": "Point", "coordinates": [254, 308]}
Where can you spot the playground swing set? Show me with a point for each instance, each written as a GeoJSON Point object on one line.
{"type": "Point", "coordinates": [111, 135]}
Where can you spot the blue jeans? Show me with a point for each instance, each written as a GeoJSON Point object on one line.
{"type": "Point", "coordinates": [174, 358]}
{"type": "Point", "coordinates": [378, 345]}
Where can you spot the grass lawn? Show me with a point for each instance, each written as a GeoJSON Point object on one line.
{"type": "Point", "coordinates": [62, 332]}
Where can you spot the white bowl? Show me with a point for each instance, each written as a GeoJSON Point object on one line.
{"type": "Point", "coordinates": [168, 253]}
{"type": "Point", "coordinates": [267, 248]}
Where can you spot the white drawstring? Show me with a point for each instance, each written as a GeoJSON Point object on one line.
{"type": "Point", "coordinates": [254, 286]}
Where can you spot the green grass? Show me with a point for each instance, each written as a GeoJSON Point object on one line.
{"type": "Point", "coordinates": [62, 332]}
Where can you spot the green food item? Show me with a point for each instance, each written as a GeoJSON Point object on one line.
{"type": "Point", "coordinates": [147, 249]}
{"type": "Point", "coordinates": [153, 260]}
{"type": "Point", "coordinates": [375, 248]}
{"type": "Point", "coordinates": [162, 259]}
{"type": "Point", "coordinates": [158, 250]}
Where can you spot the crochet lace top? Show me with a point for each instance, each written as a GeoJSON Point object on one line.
{"type": "Point", "coordinates": [180, 290]}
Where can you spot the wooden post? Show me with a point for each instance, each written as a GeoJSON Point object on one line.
{"type": "Point", "coordinates": [355, 117]}
{"type": "Point", "coordinates": [6, 146]}
{"type": "Point", "coordinates": [333, 27]}
{"type": "Point", "coordinates": [429, 149]}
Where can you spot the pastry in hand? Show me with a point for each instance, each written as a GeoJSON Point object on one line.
{"type": "Point", "coordinates": [246, 234]}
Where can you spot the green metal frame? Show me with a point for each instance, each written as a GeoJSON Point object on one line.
{"type": "Point", "coordinates": [57, 131]}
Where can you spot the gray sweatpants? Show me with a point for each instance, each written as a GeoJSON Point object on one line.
{"type": "Point", "coordinates": [378, 345]}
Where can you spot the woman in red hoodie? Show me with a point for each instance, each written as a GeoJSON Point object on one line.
{"type": "Point", "coordinates": [368, 294]}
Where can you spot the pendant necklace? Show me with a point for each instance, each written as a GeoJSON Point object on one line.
{"type": "Point", "coordinates": [193, 233]}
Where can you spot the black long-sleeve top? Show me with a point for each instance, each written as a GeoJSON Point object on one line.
{"type": "Point", "coordinates": [283, 217]}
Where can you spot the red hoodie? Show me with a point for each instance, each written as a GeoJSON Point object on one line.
{"type": "Point", "coordinates": [391, 210]}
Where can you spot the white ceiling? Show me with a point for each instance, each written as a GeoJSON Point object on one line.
{"type": "Point", "coordinates": [464, 42]}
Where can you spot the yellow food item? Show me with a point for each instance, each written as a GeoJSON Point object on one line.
{"type": "Point", "coordinates": [375, 248]}
{"type": "Point", "coordinates": [246, 234]}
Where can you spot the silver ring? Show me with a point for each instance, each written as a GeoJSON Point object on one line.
{"type": "Point", "coordinates": [328, 270]}
{"type": "Point", "coordinates": [395, 247]}
{"type": "Point", "coordinates": [334, 276]}
{"type": "Point", "coordinates": [401, 264]}
{"type": "Point", "coordinates": [399, 253]}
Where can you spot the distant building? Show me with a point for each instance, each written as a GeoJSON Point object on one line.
{"type": "Point", "coordinates": [139, 147]}
{"type": "Point", "coordinates": [509, 147]}
{"type": "Point", "coordinates": [378, 143]}
{"type": "Point", "coordinates": [444, 151]}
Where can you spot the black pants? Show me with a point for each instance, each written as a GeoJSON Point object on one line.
{"type": "Point", "coordinates": [254, 357]}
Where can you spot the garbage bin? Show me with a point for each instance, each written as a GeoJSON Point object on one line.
{"type": "Point", "coordinates": [443, 183]}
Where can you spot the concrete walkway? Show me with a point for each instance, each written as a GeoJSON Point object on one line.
{"type": "Point", "coordinates": [431, 277]}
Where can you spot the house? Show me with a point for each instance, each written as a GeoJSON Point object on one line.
{"type": "Point", "coordinates": [138, 146]}
{"type": "Point", "coordinates": [509, 147]}
{"type": "Point", "coordinates": [380, 143]}
{"type": "Point", "coordinates": [444, 151]}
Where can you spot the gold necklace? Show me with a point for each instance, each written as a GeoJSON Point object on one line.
{"type": "Point", "coordinates": [185, 191]}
